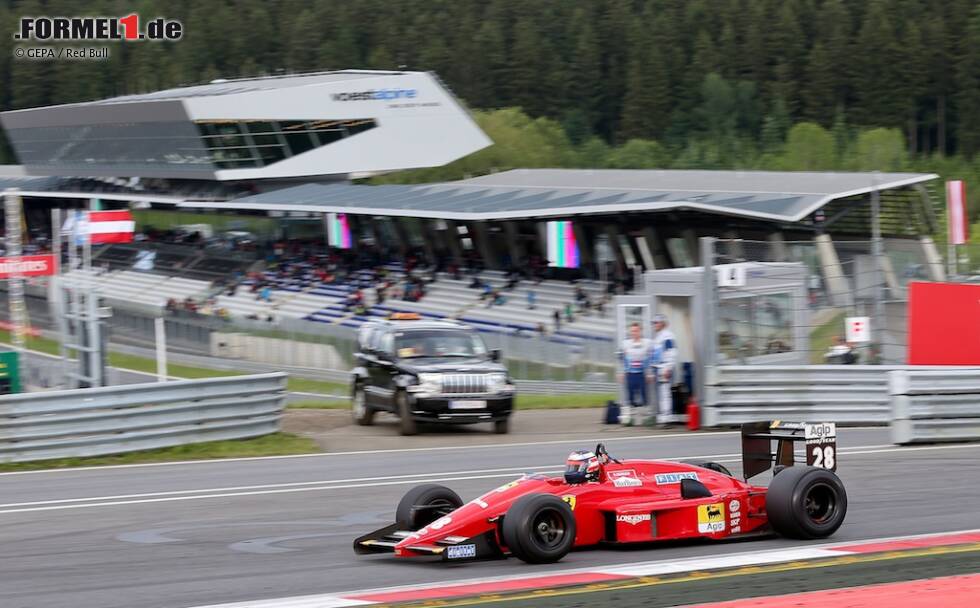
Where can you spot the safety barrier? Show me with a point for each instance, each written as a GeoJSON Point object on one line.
{"type": "Point", "coordinates": [931, 406]}
{"type": "Point", "coordinates": [114, 419]}
{"type": "Point", "coordinates": [735, 394]}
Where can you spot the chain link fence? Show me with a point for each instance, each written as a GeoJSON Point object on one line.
{"type": "Point", "coordinates": [528, 357]}
{"type": "Point", "coordinates": [841, 279]}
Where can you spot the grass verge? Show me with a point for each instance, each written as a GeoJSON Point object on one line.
{"type": "Point", "coordinates": [550, 402]}
{"type": "Point", "coordinates": [276, 444]}
{"type": "Point", "coordinates": [822, 337]}
{"type": "Point", "coordinates": [319, 404]}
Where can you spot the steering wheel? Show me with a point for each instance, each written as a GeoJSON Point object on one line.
{"type": "Point", "coordinates": [600, 450]}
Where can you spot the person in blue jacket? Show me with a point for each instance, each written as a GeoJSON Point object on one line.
{"type": "Point", "coordinates": [637, 356]}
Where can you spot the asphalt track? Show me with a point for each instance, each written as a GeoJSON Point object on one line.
{"type": "Point", "coordinates": [181, 535]}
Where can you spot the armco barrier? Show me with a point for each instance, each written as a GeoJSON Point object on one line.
{"type": "Point", "coordinates": [735, 394]}
{"type": "Point", "coordinates": [930, 406]}
{"type": "Point", "coordinates": [107, 420]}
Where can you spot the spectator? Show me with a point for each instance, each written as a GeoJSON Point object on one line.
{"type": "Point", "coordinates": [840, 352]}
{"type": "Point", "coordinates": [636, 353]}
{"type": "Point", "coordinates": [665, 357]}
{"type": "Point", "coordinates": [557, 317]}
{"type": "Point", "coordinates": [569, 313]}
{"type": "Point", "coordinates": [532, 297]}
{"type": "Point", "coordinates": [542, 331]}
{"type": "Point", "coordinates": [476, 283]}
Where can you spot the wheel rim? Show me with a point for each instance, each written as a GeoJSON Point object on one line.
{"type": "Point", "coordinates": [359, 404]}
{"type": "Point", "coordinates": [820, 503]}
{"type": "Point", "coordinates": [548, 528]}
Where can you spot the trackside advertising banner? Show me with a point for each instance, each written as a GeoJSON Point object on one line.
{"type": "Point", "coordinates": [28, 266]}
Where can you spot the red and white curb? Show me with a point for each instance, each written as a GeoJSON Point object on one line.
{"type": "Point", "coordinates": [469, 587]}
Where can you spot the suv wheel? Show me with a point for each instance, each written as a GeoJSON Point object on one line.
{"type": "Point", "coordinates": [362, 412]}
{"type": "Point", "coordinates": [406, 422]}
{"type": "Point", "coordinates": [502, 426]}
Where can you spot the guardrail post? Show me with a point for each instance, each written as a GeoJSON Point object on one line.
{"type": "Point", "coordinates": [901, 426]}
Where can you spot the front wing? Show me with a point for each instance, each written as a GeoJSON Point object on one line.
{"type": "Point", "coordinates": [448, 548]}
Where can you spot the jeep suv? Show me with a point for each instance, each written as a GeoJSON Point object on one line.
{"type": "Point", "coordinates": [429, 371]}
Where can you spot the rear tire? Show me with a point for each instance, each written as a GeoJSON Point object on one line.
{"type": "Point", "coordinates": [502, 426]}
{"type": "Point", "coordinates": [539, 528]}
{"type": "Point", "coordinates": [362, 412]}
{"type": "Point", "coordinates": [444, 501]}
{"type": "Point", "coordinates": [710, 465]}
{"type": "Point", "coordinates": [806, 502]}
{"type": "Point", "coordinates": [406, 422]}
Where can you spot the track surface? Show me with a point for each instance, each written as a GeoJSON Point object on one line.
{"type": "Point", "coordinates": [203, 533]}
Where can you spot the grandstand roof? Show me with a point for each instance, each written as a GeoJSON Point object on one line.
{"type": "Point", "coordinates": [534, 193]}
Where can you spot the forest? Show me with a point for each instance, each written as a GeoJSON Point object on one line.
{"type": "Point", "coordinates": [766, 84]}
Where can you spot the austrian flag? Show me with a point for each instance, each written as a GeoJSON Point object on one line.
{"type": "Point", "coordinates": [110, 227]}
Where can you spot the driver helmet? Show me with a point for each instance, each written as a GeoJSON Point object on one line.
{"type": "Point", "coordinates": [582, 466]}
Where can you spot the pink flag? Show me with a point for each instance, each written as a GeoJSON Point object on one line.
{"type": "Point", "coordinates": [956, 209]}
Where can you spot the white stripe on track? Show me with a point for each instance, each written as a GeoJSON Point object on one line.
{"type": "Point", "coordinates": [366, 482]}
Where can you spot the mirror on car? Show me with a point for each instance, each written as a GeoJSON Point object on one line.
{"type": "Point", "coordinates": [495, 354]}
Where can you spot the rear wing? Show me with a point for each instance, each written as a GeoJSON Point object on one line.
{"type": "Point", "coordinates": [757, 437]}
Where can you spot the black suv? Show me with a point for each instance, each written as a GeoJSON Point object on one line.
{"type": "Point", "coordinates": [429, 371]}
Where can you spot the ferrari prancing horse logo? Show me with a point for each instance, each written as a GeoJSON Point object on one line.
{"type": "Point", "coordinates": [569, 500]}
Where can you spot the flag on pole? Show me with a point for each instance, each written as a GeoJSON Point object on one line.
{"type": "Point", "coordinates": [110, 227]}
{"type": "Point", "coordinates": [956, 211]}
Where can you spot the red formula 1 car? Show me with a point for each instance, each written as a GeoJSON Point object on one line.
{"type": "Point", "coordinates": [599, 499]}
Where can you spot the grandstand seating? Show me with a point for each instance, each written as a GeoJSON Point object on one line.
{"type": "Point", "coordinates": [301, 296]}
{"type": "Point", "coordinates": [146, 288]}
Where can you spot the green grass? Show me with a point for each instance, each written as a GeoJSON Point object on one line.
{"type": "Point", "coordinates": [822, 337]}
{"type": "Point", "coordinates": [303, 385]}
{"type": "Point", "coordinates": [276, 444]}
{"type": "Point", "coordinates": [551, 402]}
{"type": "Point", "coordinates": [142, 364]}
{"type": "Point", "coordinates": [319, 404]}
{"type": "Point", "coordinates": [44, 345]}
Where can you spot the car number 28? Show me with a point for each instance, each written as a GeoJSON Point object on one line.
{"type": "Point", "coordinates": [823, 456]}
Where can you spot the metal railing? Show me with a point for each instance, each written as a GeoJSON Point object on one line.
{"type": "Point", "coordinates": [930, 406]}
{"type": "Point", "coordinates": [109, 420]}
{"type": "Point", "coordinates": [839, 393]}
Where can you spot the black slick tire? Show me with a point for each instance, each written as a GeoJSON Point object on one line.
{"type": "Point", "coordinates": [710, 465]}
{"type": "Point", "coordinates": [406, 424]}
{"type": "Point", "coordinates": [362, 412]}
{"type": "Point", "coordinates": [436, 500]}
{"type": "Point", "coordinates": [806, 502]}
{"type": "Point", "coordinates": [539, 529]}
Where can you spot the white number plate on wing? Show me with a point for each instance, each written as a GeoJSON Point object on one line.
{"type": "Point", "coordinates": [467, 405]}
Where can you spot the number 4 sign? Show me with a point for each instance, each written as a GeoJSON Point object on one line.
{"type": "Point", "coordinates": [857, 329]}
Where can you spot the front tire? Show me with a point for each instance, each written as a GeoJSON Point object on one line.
{"type": "Point", "coordinates": [406, 422]}
{"type": "Point", "coordinates": [539, 529]}
{"type": "Point", "coordinates": [437, 501]}
{"type": "Point", "coordinates": [502, 426]}
{"type": "Point", "coordinates": [362, 412]}
{"type": "Point", "coordinates": [806, 502]}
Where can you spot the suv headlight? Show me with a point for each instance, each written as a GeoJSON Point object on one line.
{"type": "Point", "coordinates": [428, 383]}
{"type": "Point", "coordinates": [497, 383]}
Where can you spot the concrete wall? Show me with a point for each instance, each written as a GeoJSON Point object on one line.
{"type": "Point", "coordinates": [276, 351]}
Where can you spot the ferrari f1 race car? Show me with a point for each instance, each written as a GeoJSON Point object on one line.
{"type": "Point", "coordinates": [600, 499]}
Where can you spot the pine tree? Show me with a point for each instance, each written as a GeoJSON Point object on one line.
{"type": "Point", "coordinates": [585, 91]}
{"type": "Point", "coordinates": [968, 98]}
{"type": "Point", "coordinates": [646, 104]}
{"type": "Point", "coordinates": [879, 72]}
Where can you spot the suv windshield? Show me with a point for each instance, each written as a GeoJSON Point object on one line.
{"type": "Point", "coordinates": [438, 343]}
